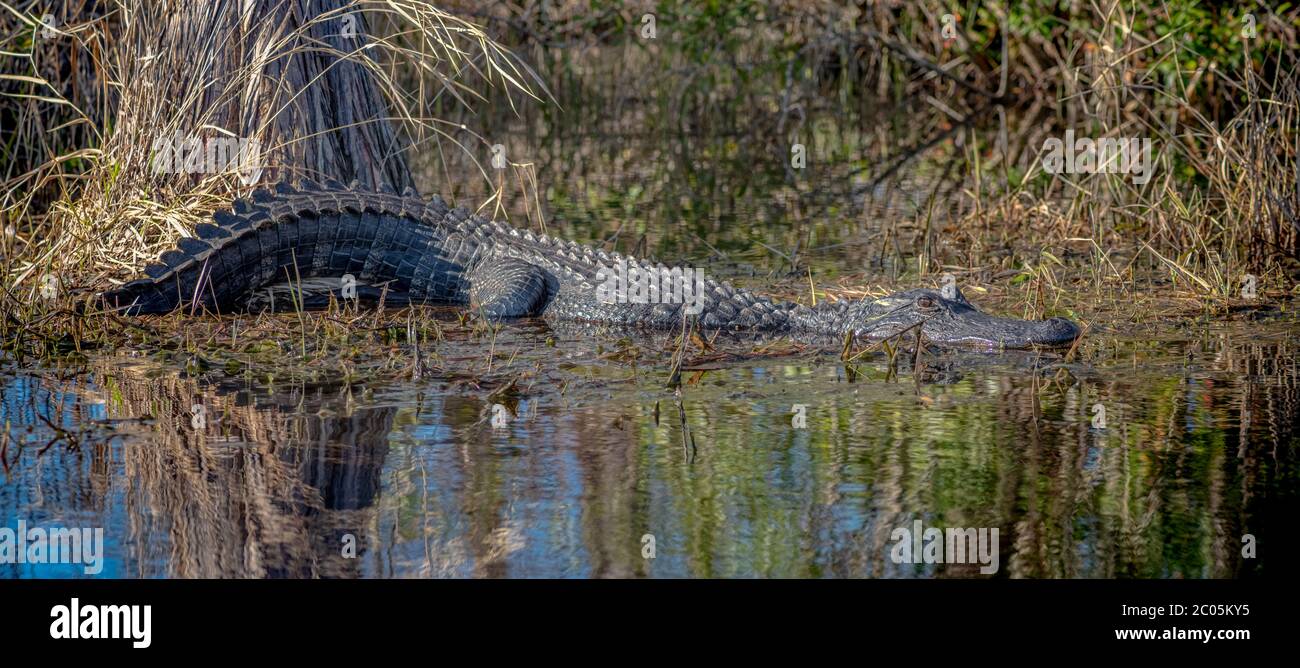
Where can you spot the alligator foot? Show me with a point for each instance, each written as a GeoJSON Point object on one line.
{"type": "Point", "coordinates": [507, 288]}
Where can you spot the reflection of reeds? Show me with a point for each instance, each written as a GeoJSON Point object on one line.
{"type": "Point", "coordinates": [1145, 497]}
{"type": "Point", "coordinates": [1187, 464]}
{"type": "Point", "coordinates": [257, 491]}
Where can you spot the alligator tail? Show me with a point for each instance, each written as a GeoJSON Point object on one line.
{"type": "Point", "coordinates": [290, 233]}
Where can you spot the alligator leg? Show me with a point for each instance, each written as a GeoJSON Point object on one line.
{"type": "Point", "coordinates": [504, 287]}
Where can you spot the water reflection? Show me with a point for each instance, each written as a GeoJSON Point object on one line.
{"type": "Point", "coordinates": [1198, 445]}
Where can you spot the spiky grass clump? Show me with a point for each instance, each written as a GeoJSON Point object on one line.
{"type": "Point", "coordinates": [313, 86]}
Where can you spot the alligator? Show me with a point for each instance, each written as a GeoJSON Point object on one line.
{"type": "Point", "coordinates": [407, 250]}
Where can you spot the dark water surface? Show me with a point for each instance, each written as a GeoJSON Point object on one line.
{"type": "Point", "coordinates": [600, 462]}
{"type": "Point", "coordinates": [1198, 449]}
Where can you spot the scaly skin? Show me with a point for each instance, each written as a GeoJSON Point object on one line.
{"type": "Point", "coordinates": [427, 252]}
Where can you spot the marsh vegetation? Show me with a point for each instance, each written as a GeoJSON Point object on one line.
{"type": "Point", "coordinates": [923, 155]}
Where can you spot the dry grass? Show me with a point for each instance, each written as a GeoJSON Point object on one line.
{"type": "Point", "coordinates": [89, 206]}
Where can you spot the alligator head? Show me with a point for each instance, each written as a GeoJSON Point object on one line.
{"type": "Point", "coordinates": [954, 321]}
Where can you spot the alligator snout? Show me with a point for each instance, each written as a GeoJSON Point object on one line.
{"type": "Point", "coordinates": [1057, 332]}
{"type": "Point", "coordinates": [995, 332]}
{"type": "Point", "coordinates": [953, 320]}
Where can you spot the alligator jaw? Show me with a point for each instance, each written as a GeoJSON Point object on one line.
{"type": "Point", "coordinates": [1013, 334]}
{"type": "Point", "coordinates": [954, 321]}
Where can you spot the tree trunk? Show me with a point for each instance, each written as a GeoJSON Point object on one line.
{"type": "Point", "coordinates": [277, 72]}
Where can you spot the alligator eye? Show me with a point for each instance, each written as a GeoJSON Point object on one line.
{"type": "Point", "coordinates": [925, 302]}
